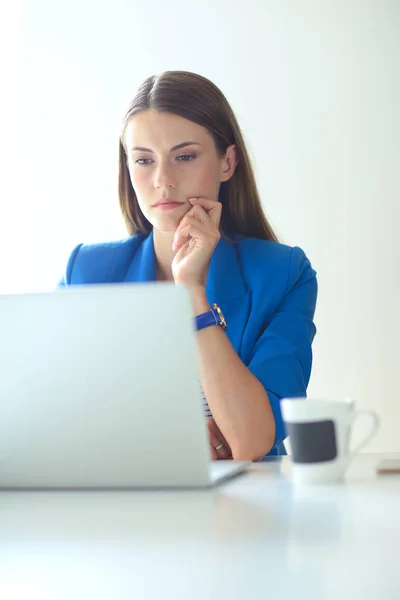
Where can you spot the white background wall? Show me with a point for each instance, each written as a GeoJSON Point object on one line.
{"type": "Point", "coordinates": [315, 85]}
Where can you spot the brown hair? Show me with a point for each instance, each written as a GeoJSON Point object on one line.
{"type": "Point", "coordinates": [197, 99]}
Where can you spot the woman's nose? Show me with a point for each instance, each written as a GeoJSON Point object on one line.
{"type": "Point", "coordinates": [164, 177]}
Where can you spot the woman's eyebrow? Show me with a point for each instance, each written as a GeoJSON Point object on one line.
{"type": "Point", "coordinates": [177, 147]}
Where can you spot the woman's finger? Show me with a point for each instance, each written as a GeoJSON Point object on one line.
{"type": "Point", "coordinates": [212, 207]}
{"type": "Point", "coordinates": [200, 214]}
{"type": "Point", "coordinates": [184, 222]}
{"type": "Point", "coordinates": [213, 452]}
{"type": "Point", "coordinates": [214, 443]}
{"type": "Point", "coordinates": [188, 218]}
{"type": "Point", "coordinates": [218, 443]}
{"type": "Point", "coordinates": [193, 229]}
{"type": "Point", "coordinates": [224, 451]}
{"type": "Point", "coordinates": [182, 234]}
{"type": "Point", "coordinates": [179, 237]}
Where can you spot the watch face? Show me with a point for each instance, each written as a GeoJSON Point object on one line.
{"type": "Point", "coordinates": [223, 323]}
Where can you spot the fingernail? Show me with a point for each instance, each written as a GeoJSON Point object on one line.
{"type": "Point", "coordinates": [191, 200]}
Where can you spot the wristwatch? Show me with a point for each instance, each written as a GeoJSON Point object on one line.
{"type": "Point", "coordinates": [212, 317]}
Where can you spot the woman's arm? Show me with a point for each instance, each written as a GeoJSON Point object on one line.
{"type": "Point", "coordinates": [245, 399]}
{"type": "Point", "coordinates": [237, 399]}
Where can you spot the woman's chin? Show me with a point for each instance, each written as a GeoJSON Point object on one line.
{"type": "Point", "coordinates": [166, 225]}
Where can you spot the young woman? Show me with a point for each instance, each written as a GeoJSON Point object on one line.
{"type": "Point", "coordinates": [189, 198]}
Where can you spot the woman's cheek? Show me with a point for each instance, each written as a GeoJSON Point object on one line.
{"type": "Point", "coordinates": [138, 178]}
{"type": "Point", "coordinates": [203, 182]}
{"type": "Point", "coordinates": [138, 181]}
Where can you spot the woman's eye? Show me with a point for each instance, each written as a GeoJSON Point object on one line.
{"type": "Point", "coordinates": [143, 161]}
{"type": "Point", "coordinates": [182, 158]}
{"type": "Point", "coordinates": [186, 157]}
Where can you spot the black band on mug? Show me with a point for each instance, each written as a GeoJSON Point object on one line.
{"type": "Point", "coordinates": [312, 442]}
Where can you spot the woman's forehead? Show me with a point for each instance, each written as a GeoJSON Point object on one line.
{"type": "Point", "coordinates": [153, 129]}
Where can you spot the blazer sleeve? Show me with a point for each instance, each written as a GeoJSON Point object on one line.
{"type": "Point", "coordinates": [282, 355]}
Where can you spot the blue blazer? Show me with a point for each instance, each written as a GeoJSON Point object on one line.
{"type": "Point", "coordinates": [267, 292]}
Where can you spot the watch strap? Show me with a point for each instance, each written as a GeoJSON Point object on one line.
{"type": "Point", "coordinates": [207, 319]}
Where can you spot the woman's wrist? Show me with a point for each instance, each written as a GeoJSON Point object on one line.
{"type": "Point", "coordinates": [199, 300]}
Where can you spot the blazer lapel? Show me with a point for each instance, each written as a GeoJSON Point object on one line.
{"type": "Point", "coordinates": [143, 265]}
{"type": "Point", "coordinates": [226, 287]}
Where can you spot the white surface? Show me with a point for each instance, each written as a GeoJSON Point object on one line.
{"type": "Point", "coordinates": [220, 470]}
{"type": "Point", "coordinates": [254, 537]}
{"type": "Point", "coordinates": [97, 385]}
{"type": "Point", "coordinates": [315, 85]}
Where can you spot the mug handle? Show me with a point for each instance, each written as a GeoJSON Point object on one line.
{"type": "Point", "coordinates": [368, 438]}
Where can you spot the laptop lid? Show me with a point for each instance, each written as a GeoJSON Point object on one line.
{"type": "Point", "coordinates": [99, 387]}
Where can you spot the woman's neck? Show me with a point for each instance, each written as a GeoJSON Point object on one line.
{"type": "Point", "coordinates": [164, 254]}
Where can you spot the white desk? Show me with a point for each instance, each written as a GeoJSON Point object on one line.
{"type": "Point", "coordinates": [254, 537]}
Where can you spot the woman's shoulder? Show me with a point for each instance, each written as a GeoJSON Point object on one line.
{"type": "Point", "coordinates": [120, 246]}
{"type": "Point", "coordinates": [93, 263]}
{"type": "Point", "coordinates": [254, 248]}
{"type": "Point", "coordinates": [266, 261]}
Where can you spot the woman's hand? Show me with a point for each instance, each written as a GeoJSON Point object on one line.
{"type": "Point", "coordinates": [194, 242]}
{"type": "Point", "coordinates": [216, 439]}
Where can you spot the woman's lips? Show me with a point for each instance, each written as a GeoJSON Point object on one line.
{"type": "Point", "coordinates": [168, 205]}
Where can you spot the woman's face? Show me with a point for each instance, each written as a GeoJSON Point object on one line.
{"type": "Point", "coordinates": [172, 159]}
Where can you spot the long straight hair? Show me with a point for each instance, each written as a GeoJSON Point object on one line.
{"type": "Point", "coordinates": [197, 99]}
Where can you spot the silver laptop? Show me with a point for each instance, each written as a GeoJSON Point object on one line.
{"type": "Point", "coordinates": [99, 388]}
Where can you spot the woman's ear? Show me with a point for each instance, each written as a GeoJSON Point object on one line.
{"type": "Point", "coordinates": [229, 163]}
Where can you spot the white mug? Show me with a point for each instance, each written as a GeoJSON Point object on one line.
{"type": "Point", "coordinates": [319, 434]}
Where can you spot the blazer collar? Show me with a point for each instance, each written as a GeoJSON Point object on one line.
{"type": "Point", "coordinates": [225, 279]}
